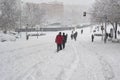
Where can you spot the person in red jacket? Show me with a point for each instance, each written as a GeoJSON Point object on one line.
{"type": "Point", "coordinates": [59, 41]}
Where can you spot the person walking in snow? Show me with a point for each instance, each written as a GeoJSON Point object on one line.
{"type": "Point", "coordinates": [106, 36]}
{"type": "Point", "coordinates": [72, 35]}
{"type": "Point", "coordinates": [64, 40]}
{"type": "Point", "coordinates": [27, 37]}
{"type": "Point", "coordinates": [66, 37]}
{"type": "Point", "coordinates": [59, 41]}
{"type": "Point", "coordinates": [92, 37]}
{"type": "Point", "coordinates": [82, 31]}
{"type": "Point", "coordinates": [75, 35]}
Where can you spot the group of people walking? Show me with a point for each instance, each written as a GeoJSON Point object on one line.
{"type": "Point", "coordinates": [61, 40]}
{"type": "Point", "coordinates": [74, 35]}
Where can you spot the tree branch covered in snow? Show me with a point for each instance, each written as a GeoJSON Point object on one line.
{"type": "Point", "coordinates": [33, 14]}
{"type": "Point", "coordinates": [9, 14]}
{"type": "Point", "coordinates": [106, 11]}
{"type": "Point", "coordinates": [108, 8]}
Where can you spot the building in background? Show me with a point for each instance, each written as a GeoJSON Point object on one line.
{"type": "Point", "coordinates": [67, 15]}
{"type": "Point", "coordinates": [54, 11]}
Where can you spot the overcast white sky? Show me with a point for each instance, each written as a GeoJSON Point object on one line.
{"type": "Point", "coordinates": [81, 2]}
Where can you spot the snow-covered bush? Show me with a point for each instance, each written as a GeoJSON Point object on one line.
{"type": "Point", "coordinates": [7, 37]}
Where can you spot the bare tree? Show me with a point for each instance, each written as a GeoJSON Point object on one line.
{"type": "Point", "coordinates": [106, 11]}
{"type": "Point", "coordinates": [33, 14]}
{"type": "Point", "coordinates": [10, 14]}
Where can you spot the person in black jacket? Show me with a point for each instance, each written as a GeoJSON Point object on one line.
{"type": "Point", "coordinates": [106, 37]}
{"type": "Point", "coordinates": [64, 40]}
{"type": "Point", "coordinates": [72, 35]}
{"type": "Point", "coordinates": [66, 37]}
{"type": "Point", "coordinates": [75, 35]}
{"type": "Point", "coordinates": [92, 37]}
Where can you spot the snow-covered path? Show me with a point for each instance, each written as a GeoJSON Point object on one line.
{"type": "Point", "coordinates": [37, 59]}
{"type": "Point", "coordinates": [91, 65]}
{"type": "Point", "coordinates": [98, 61]}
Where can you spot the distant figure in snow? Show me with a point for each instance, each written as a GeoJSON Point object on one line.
{"type": "Point", "coordinates": [106, 36]}
{"type": "Point", "coordinates": [27, 37]}
{"type": "Point", "coordinates": [72, 35]}
{"type": "Point", "coordinates": [75, 35]}
{"type": "Point", "coordinates": [59, 41]}
{"type": "Point", "coordinates": [92, 37]}
{"type": "Point", "coordinates": [82, 31]}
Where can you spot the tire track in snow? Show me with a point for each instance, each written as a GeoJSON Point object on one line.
{"type": "Point", "coordinates": [67, 72]}
{"type": "Point", "coordinates": [106, 67]}
{"type": "Point", "coordinates": [83, 72]}
{"type": "Point", "coordinates": [35, 70]}
{"type": "Point", "coordinates": [22, 57]}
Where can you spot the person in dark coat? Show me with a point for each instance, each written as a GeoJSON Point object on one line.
{"type": "Point", "coordinates": [64, 40]}
{"type": "Point", "coordinates": [59, 41]}
{"type": "Point", "coordinates": [72, 35]}
{"type": "Point", "coordinates": [106, 37]}
{"type": "Point", "coordinates": [82, 31]}
{"type": "Point", "coordinates": [75, 35]}
{"type": "Point", "coordinates": [27, 37]}
{"type": "Point", "coordinates": [66, 37]}
{"type": "Point", "coordinates": [92, 37]}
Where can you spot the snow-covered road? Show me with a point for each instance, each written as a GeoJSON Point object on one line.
{"type": "Point", "coordinates": [91, 65]}
{"type": "Point", "coordinates": [37, 59]}
{"type": "Point", "coordinates": [98, 61]}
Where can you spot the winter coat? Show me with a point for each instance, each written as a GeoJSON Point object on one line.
{"type": "Point", "coordinates": [59, 39]}
{"type": "Point", "coordinates": [75, 34]}
{"type": "Point", "coordinates": [64, 39]}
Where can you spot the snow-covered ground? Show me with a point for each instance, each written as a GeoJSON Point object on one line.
{"type": "Point", "coordinates": [37, 59]}
{"type": "Point", "coordinates": [7, 37]}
